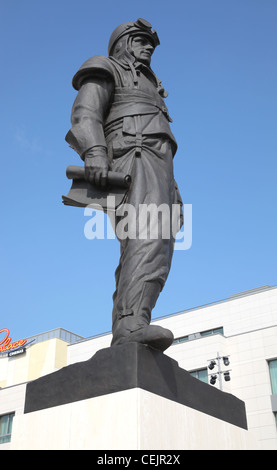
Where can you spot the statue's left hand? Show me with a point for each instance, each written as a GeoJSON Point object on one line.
{"type": "Point", "coordinates": [97, 166]}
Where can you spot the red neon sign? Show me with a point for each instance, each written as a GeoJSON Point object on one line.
{"type": "Point", "coordinates": [6, 344]}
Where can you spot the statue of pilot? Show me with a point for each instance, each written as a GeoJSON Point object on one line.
{"type": "Point", "coordinates": [120, 123]}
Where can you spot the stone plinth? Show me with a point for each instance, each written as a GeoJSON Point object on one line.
{"type": "Point", "coordinates": [128, 397]}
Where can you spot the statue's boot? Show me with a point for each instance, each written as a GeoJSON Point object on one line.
{"type": "Point", "coordinates": [151, 335]}
{"type": "Point", "coordinates": [134, 326]}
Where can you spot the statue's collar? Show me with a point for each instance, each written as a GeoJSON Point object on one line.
{"type": "Point", "coordinates": [131, 64]}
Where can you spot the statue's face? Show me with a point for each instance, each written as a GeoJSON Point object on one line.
{"type": "Point", "coordinates": [142, 49]}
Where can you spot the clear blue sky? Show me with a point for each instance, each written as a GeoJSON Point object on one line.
{"type": "Point", "coordinates": [217, 59]}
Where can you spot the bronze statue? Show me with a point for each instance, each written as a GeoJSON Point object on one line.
{"type": "Point", "coordinates": [120, 124]}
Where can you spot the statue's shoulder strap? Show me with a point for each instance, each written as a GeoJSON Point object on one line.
{"type": "Point", "coordinates": [97, 66]}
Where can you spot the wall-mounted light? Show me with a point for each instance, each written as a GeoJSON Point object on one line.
{"type": "Point", "coordinates": [226, 360]}
{"type": "Point", "coordinates": [227, 377]}
{"type": "Point", "coordinates": [217, 362]}
{"type": "Point", "coordinates": [211, 365]}
{"type": "Point", "coordinates": [213, 379]}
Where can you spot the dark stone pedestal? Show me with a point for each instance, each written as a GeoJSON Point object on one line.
{"type": "Point", "coordinates": [130, 366]}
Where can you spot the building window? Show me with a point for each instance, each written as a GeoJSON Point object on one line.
{"type": "Point", "coordinates": [182, 339]}
{"type": "Point", "coordinates": [214, 331]}
{"type": "Point", "coordinates": [273, 375]}
{"type": "Point", "coordinates": [201, 374]}
{"type": "Point", "coordinates": [6, 427]}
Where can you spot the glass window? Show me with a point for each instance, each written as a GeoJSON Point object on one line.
{"type": "Point", "coordinates": [273, 375]}
{"type": "Point", "coordinates": [212, 332]}
{"type": "Point", "coordinates": [218, 331]}
{"type": "Point", "coordinates": [6, 428]}
{"type": "Point", "coordinates": [181, 339]}
{"type": "Point", "coordinates": [201, 374]}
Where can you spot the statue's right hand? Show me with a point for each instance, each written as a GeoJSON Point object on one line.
{"type": "Point", "coordinates": [97, 167]}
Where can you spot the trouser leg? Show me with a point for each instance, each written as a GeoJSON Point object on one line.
{"type": "Point", "coordinates": [145, 260]}
{"type": "Point", "coordinates": [140, 277]}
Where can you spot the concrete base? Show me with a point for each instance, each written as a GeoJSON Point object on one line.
{"type": "Point", "coordinates": [130, 420]}
{"type": "Point", "coordinates": [128, 397]}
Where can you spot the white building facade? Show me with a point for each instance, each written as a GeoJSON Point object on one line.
{"type": "Point", "coordinates": [231, 343]}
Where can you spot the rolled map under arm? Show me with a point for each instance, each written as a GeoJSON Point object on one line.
{"type": "Point", "coordinates": [114, 178]}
